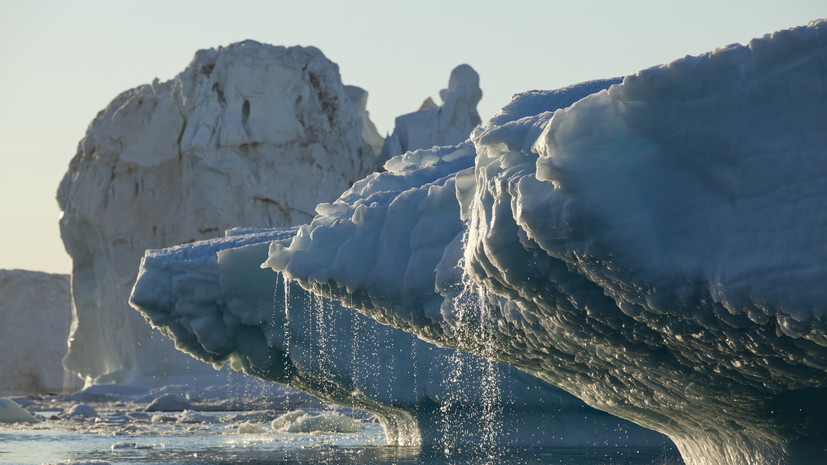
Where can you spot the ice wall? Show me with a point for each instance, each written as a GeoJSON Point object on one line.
{"type": "Point", "coordinates": [434, 126]}
{"type": "Point", "coordinates": [220, 306]}
{"type": "Point", "coordinates": [654, 249]}
{"type": "Point", "coordinates": [246, 135]}
{"type": "Point", "coordinates": [34, 321]}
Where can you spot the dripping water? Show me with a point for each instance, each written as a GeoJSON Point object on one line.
{"type": "Point", "coordinates": [492, 396]}
{"type": "Point", "coordinates": [357, 357]}
{"type": "Point", "coordinates": [320, 331]}
{"type": "Point", "coordinates": [473, 325]}
{"type": "Point", "coordinates": [286, 322]}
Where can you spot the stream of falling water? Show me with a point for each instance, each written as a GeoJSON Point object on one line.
{"type": "Point", "coordinates": [473, 325]}
{"type": "Point", "coordinates": [492, 396]}
{"type": "Point", "coordinates": [286, 312]}
{"type": "Point", "coordinates": [321, 334]}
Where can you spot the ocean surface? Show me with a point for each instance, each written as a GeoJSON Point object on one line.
{"type": "Point", "coordinates": [120, 431]}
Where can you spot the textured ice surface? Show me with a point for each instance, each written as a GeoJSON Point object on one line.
{"type": "Point", "coordinates": [437, 125]}
{"type": "Point", "coordinates": [656, 249]}
{"type": "Point", "coordinates": [218, 304]}
{"type": "Point", "coordinates": [34, 321]}
{"type": "Point", "coordinates": [247, 135]}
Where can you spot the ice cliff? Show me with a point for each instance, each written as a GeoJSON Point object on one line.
{"type": "Point", "coordinates": [655, 248]}
{"type": "Point", "coordinates": [437, 125]}
{"type": "Point", "coordinates": [34, 321]}
{"type": "Point", "coordinates": [247, 135]}
{"type": "Point", "coordinates": [220, 306]}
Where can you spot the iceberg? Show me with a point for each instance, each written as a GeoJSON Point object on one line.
{"type": "Point", "coordinates": [185, 159]}
{"type": "Point", "coordinates": [655, 248]}
{"type": "Point", "coordinates": [438, 125]}
{"type": "Point", "coordinates": [220, 306]}
{"type": "Point", "coordinates": [34, 321]}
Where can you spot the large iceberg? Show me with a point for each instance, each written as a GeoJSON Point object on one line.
{"type": "Point", "coordinates": [220, 306]}
{"type": "Point", "coordinates": [655, 248]}
{"type": "Point", "coordinates": [248, 134]}
{"type": "Point", "coordinates": [34, 321]}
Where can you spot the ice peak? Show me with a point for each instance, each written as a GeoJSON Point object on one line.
{"type": "Point", "coordinates": [438, 125]}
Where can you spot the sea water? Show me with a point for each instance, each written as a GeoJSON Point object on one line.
{"type": "Point", "coordinates": [119, 430]}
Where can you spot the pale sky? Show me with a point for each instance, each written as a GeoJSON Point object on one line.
{"type": "Point", "coordinates": [63, 61]}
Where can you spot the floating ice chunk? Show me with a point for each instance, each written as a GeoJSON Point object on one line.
{"type": "Point", "coordinates": [82, 411]}
{"type": "Point", "coordinates": [252, 428]}
{"type": "Point", "coordinates": [286, 419]}
{"type": "Point", "coordinates": [11, 412]}
{"type": "Point", "coordinates": [300, 421]}
{"type": "Point", "coordinates": [188, 416]}
{"type": "Point", "coordinates": [130, 445]}
{"type": "Point", "coordinates": [169, 403]}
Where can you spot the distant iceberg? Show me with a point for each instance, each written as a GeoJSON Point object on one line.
{"type": "Point", "coordinates": [656, 249]}
{"type": "Point", "coordinates": [247, 135]}
{"type": "Point", "coordinates": [436, 125]}
{"type": "Point", "coordinates": [34, 320]}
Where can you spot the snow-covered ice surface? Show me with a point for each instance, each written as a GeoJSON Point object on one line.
{"type": "Point", "coordinates": [219, 305]}
{"type": "Point", "coordinates": [656, 249]}
{"type": "Point", "coordinates": [247, 135]}
{"type": "Point", "coordinates": [34, 322]}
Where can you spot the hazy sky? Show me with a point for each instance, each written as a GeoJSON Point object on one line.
{"type": "Point", "coordinates": [63, 61]}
